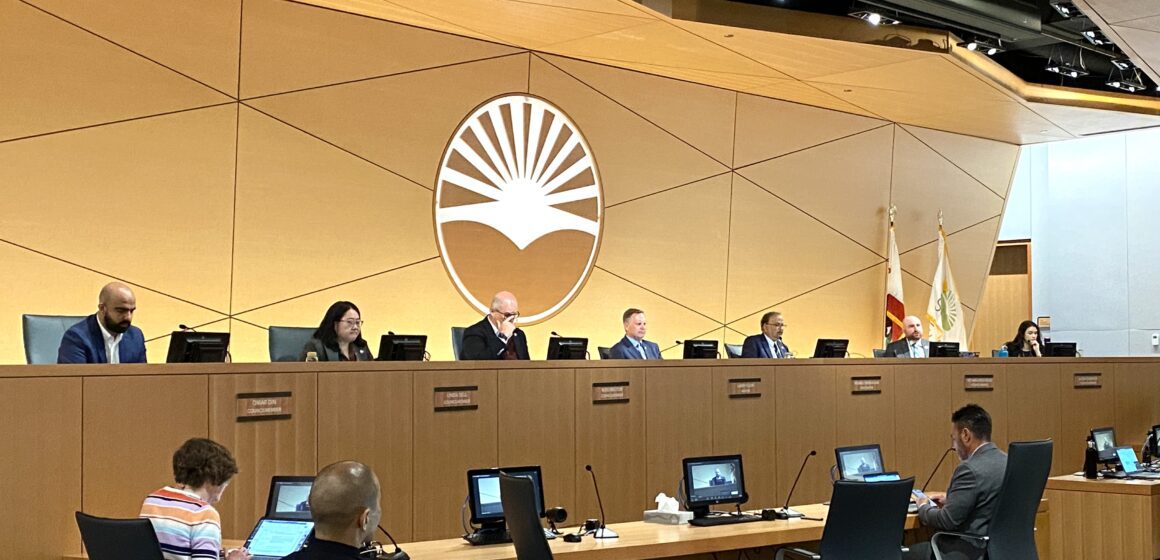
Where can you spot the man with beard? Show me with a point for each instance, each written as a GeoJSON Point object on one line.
{"type": "Point", "coordinates": [108, 336]}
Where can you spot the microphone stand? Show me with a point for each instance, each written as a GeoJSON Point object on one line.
{"type": "Point", "coordinates": [785, 512]}
{"type": "Point", "coordinates": [601, 532]}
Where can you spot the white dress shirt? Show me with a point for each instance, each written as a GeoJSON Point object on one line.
{"type": "Point", "coordinates": [112, 343]}
{"type": "Point", "coordinates": [773, 351]}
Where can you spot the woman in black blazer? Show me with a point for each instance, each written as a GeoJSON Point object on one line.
{"type": "Point", "coordinates": [339, 336]}
{"type": "Point", "coordinates": [1026, 343]}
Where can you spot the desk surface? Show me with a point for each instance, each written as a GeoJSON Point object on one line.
{"type": "Point", "coordinates": [1075, 483]}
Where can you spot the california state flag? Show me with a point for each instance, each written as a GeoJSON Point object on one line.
{"type": "Point", "coordinates": [895, 309]}
{"type": "Point", "coordinates": [944, 313]}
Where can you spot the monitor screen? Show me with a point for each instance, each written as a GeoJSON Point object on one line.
{"type": "Point", "coordinates": [944, 349]}
{"type": "Point", "coordinates": [275, 538]}
{"type": "Point", "coordinates": [854, 463]}
{"type": "Point", "coordinates": [1105, 439]}
{"type": "Point", "coordinates": [567, 348]}
{"type": "Point", "coordinates": [1060, 349]}
{"type": "Point", "coordinates": [831, 348]}
{"type": "Point", "coordinates": [1155, 440]}
{"type": "Point", "coordinates": [700, 350]}
{"type": "Point", "coordinates": [483, 496]}
{"type": "Point", "coordinates": [196, 347]}
{"type": "Point", "coordinates": [714, 480]}
{"type": "Point", "coordinates": [402, 347]}
{"type": "Point", "coordinates": [289, 497]}
{"type": "Point", "coordinates": [882, 477]}
{"type": "Point", "coordinates": [1127, 458]}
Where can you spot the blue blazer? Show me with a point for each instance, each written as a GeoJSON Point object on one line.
{"type": "Point", "coordinates": [626, 350]}
{"type": "Point", "coordinates": [83, 344]}
{"type": "Point", "coordinates": [756, 347]}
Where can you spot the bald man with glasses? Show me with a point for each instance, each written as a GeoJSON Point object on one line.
{"type": "Point", "coordinates": [496, 337]}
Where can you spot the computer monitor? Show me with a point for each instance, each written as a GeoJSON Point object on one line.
{"type": "Point", "coordinates": [402, 347]}
{"type": "Point", "coordinates": [1105, 439]}
{"type": "Point", "coordinates": [1060, 349]}
{"type": "Point", "coordinates": [1155, 440]}
{"type": "Point", "coordinates": [882, 477]}
{"type": "Point", "coordinates": [713, 480]}
{"type": "Point", "coordinates": [197, 347]}
{"type": "Point", "coordinates": [1126, 457]}
{"type": "Point", "coordinates": [700, 350]}
{"type": "Point", "coordinates": [831, 348]}
{"type": "Point", "coordinates": [289, 497]}
{"type": "Point", "coordinates": [855, 462]}
{"type": "Point", "coordinates": [483, 496]}
{"type": "Point", "coordinates": [567, 348]}
{"type": "Point", "coordinates": [944, 349]}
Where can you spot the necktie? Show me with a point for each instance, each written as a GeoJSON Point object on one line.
{"type": "Point", "coordinates": [643, 354]}
{"type": "Point", "coordinates": [776, 350]}
{"type": "Point", "coordinates": [509, 349]}
{"type": "Point", "coordinates": [915, 350]}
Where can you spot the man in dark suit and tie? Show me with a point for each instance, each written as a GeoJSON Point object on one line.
{"type": "Point", "coordinates": [913, 345]}
{"type": "Point", "coordinates": [969, 502]}
{"type": "Point", "coordinates": [496, 337]}
{"type": "Point", "coordinates": [633, 346]}
{"type": "Point", "coordinates": [108, 336]}
{"type": "Point", "coordinates": [768, 344]}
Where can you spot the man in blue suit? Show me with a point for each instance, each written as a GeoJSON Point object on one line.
{"type": "Point", "coordinates": [633, 346]}
{"type": "Point", "coordinates": [768, 344]}
{"type": "Point", "coordinates": [107, 337]}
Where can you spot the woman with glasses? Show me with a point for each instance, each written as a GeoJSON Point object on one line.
{"type": "Point", "coordinates": [339, 336]}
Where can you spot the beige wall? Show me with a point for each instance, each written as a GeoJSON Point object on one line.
{"type": "Point", "coordinates": [246, 168]}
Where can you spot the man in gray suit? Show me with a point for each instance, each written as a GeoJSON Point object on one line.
{"type": "Point", "coordinates": [969, 503]}
{"type": "Point", "coordinates": [913, 345]}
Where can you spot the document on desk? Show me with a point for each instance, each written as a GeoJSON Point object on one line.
{"type": "Point", "coordinates": [278, 538]}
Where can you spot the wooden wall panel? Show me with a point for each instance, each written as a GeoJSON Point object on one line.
{"type": "Point", "coordinates": [127, 456]}
{"type": "Point", "coordinates": [993, 401]}
{"type": "Point", "coordinates": [447, 444]}
{"type": "Point", "coordinates": [1085, 408]}
{"type": "Point", "coordinates": [748, 425]}
{"type": "Point", "coordinates": [40, 425]}
{"type": "Point", "coordinates": [679, 424]}
{"type": "Point", "coordinates": [537, 426]}
{"type": "Point", "coordinates": [366, 416]}
{"type": "Point", "coordinates": [611, 438]}
{"type": "Point", "coordinates": [1033, 406]}
{"type": "Point", "coordinates": [923, 408]}
{"type": "Point", "coordinates": [866, 417]}
{"type": "Point", "coordinates": [265, 448]}
{"type": "Point", "coordinates": [805, 402]}
{"type": "Point", "coordinates": [1137, 401]}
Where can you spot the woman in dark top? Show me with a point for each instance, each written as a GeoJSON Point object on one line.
{"type": "Point", "coordinates": [1026, 343]}
{"type": "Point", "coordinates": [339, 336]}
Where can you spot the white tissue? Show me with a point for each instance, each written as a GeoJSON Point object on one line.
{"type": "Point", "coordinates": [667, 504]}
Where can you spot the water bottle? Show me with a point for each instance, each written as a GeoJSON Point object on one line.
{"type": "Point", "coordinates": [312, 356]}
{"type": "Point", "coordinates": [1003, 353]}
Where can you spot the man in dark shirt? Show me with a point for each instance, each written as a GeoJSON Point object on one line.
{"type": "Point", "coordinates": [344, 503]}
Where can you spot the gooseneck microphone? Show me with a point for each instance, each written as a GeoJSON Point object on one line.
{"type": "Point", "coordinates": [601, 532]}
{"type": "Point", "coordinates": [785, 512]}
{"type": "Point", "coordinates": [184, 327]}
{"type": "Point", "coordinates": [398, 554]}
{"type": "Point", "coordinates": [556, 334]}
{"type": "Point", "coordinates": [940, 462]}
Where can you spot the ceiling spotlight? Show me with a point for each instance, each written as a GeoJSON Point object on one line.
{"type": "Point", "coordinates": [874, 18]}
{"type": "Point", "coordinates": [984, 46]}
{"type": "Point", "coordinates": [1096, 37]}
{"type": "Point", "coordinates": [1122, 63]}
{"type": "Point", "coordinates": [1065, 8]}
{"type": "Point", "coordinates": [1129, 85]}
{"type": "Point", "coordinates": [1065, 69]}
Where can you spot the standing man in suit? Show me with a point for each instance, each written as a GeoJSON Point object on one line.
{"type": "Point", "coordinates": [913, 345]}
{"type": "Point", "coordinates": [108, 336]}
{"type": "Point", "coordinates": [633, 346]}
{"type": "Point", "coordinates": [970, 501]}
{"type": "Point", "coordinates": [768, 344]}
{"type": "Point", "coordinates": [496, 337]}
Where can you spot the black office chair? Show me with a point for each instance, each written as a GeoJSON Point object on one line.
{"type": "Point", "coordinates": [604, 352]}
{"type": "Point", "coordinates": [118, 539]}
{"type": "Point", "coordinates": [1011, 532]}
{"type": "Point", "coordinates": [733, 350]}
{"type": "Point", "coordinates": [457, 341]}
{"type": "Point", "coordinates": [518, 496]}
{"type": "Point", "coordinates": [866, 520]}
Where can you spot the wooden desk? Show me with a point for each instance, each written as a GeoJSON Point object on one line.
{"type": "Point", "coordinates": [1097, 519]}
{"type": "Point", "coordinates": [639, 540]}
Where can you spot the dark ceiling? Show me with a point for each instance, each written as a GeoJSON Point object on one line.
{"type": "Point", "coordinates": [1032, 32]}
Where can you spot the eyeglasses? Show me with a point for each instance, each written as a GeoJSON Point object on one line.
{"type": "Point", "coordinates": [352, 322]}
{"type": "Point", "coordinates": [507, 315]}
{"type": "Point", "coordinates": [776, 324]}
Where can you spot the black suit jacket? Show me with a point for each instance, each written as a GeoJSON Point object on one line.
{"type": "Point", "coordinates": [362, 351]}
{"type": "Point", "coordinates": [481, 343]}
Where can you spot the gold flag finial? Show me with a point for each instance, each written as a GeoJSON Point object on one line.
{"type": "Point", "coordinates": [940, 216]}
{"type": "Point", "coordinates": [893, 212]}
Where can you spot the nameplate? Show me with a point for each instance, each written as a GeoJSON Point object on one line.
{"type": "Point", "coordinates": [979, 382]}
{"type": "Point", "coordinates": [610, 392]}
{"type": "Point", "coordinates": [254, 407]}
{"type": "Point", "coordinates": [456, 398]}
{"type": "Point", "coordinates": [748, 388]}
{"type": "Point", "coordinates": [1088, 380]}
{"type": "Point", "coordinates": [866, 385]}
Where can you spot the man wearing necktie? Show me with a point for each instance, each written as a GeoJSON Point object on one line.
{"type": "Point", "coordinates": [913, 345]}
{"type": "Point", "coordinates": [633, 346]}
{"type": "Point", "coordinates": [768, 344]}
{"type": "Point", "coordinates": [496, 337]}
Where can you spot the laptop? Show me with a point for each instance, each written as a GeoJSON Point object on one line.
{"type": "Point", "coordinates": [1130, 468]}
{"type": "Point", "coordinates": [287, 524]}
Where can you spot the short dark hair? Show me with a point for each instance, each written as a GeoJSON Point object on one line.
{"type": "Point", "coordinates": [765, 318]}
{"type": "Point", "coordinates": [975, 419]}
{"type": "Point", "coordinates": [200, 461]}
{"type": "Point", "coordinates": [628, 313]}
{"type": "Point", "coordinates": [325, 331]}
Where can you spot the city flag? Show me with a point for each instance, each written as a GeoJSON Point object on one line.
{"type": "Point", "coordinates": [895, 309]}
{"type": "Point", "coordinates": [944, 313]}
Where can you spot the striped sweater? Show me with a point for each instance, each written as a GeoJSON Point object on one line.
{"type": "Point", "coordinates": [187, 527]}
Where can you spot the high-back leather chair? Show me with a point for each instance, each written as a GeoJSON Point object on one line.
{"type": "Point", "coordinates": [42, 334]}
{"type": "Point", "coordinates": [518, 496]}
{"type": "Point", "coordinates": [118, 539]}
{"type": "Point", "coordinates": [866, 520]}
{"type": "Point", "coordinates": [286, 343]}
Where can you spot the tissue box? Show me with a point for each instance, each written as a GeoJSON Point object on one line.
{"type": "Point", "coordinates": [667, 517]}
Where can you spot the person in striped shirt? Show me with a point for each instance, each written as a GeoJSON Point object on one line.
{"type": "Point", "coordinates": [187, 525]}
